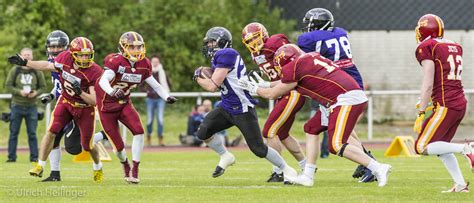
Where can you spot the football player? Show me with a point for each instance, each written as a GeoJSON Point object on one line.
{"type": "Point", "coordinates": [123, 72]}
{"type": "Point", "coordinates": [319, 78]}
{"type": "Point", "coordinates": [441, 62]}
{"type": "Point", "coordinates": [237, 107]}
{"type": "Point", "coordinates": [262, 47]}
{"type": "Point", "coordinates": [78, 74]}
{"type": "Point", "coordinates": [331, 42]}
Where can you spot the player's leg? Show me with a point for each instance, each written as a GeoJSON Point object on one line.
{"type": "Point", "coordinates": [60, 117]}
{"type": "Point", "coordinates": [435, 137]}
{"type": "Point", "coordinates": [341, 123]}
{"type": "Point", "coordinates": [248, 125]}
{"type": "Point", "coordinates": [72, 139]}
{"type": "Point", "coordinates": [215, 121]}
{"type": "Point", "coordinates": [131, 119]}
{"type": "Point", "coordinates": [110, 124]}
{"type": "Point", "coordinates": [86, 123]}
{"type": "Point", "coordinates": [55, 159]}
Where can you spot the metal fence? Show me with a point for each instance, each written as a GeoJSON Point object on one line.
{"type": "Point", "coordinates": [371, 94]}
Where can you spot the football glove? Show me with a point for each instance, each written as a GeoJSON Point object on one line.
{"type": "Point", "coordinates": [254, 76]}
{"type": "Point", "coordinates": [17, 60]}
{"type": "Point", "coordinates": [118, 93]}
{"type": "Point", "coordinates": [47, 98]}
{"type": "Point", "coordinates": [76, 87]}
{"type": "Point", "coordinates": [428, 108]}
{"type": "Point", "coordinates": [248, 85]}
{"type": "Point", "coordinates": [419, 121]}
{"type": "Point", "coordinates": [171, 100]}
{"type": "Point", "coordinates": [197, 73]}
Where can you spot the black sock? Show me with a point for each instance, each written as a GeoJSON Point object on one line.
{"type": "Point", "coordinates": [55, 174]}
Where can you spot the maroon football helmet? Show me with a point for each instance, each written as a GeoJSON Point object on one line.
{"type": "Point", "coordinates": [285, 54]}
{"type": "Point", "coordinates": [82, 52]}
{"type": "Point", "coordinates": [254, 36]}
{"type": "Point", "coordinates": [132, 46]}
{"type": "Point", "coordinates": [429, 25]}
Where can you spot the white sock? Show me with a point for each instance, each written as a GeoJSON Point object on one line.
{"type": "Point", "coordinates": [309, 170]}
{"type": "Point", "coordinates": [217, 144]}
{"type": "Point", "coordinates": [274, 157]}
{"type": "Point", "coordinates": [451, 164]}
{"type": "Point", "coordinates": [440, 147]}
{"type": "Point", "coordinates": [55, 159]}
{"type": "Point", "coordinates": [137, 147]}
{"type": "Point", "coordinates": [373, 165]}
{"type": "Point", "coordinates": [122, 155]}
{"type": "Point", "coordinates": [97, 166]}
{"type": "Point", "coordinates": [302, 163]}
{"type": "Point", "coordinates": [98, 137]}
{"type": "Point", "coordinates": [277, 170]}
{"type": "Point", "coordinates": [41, 163]}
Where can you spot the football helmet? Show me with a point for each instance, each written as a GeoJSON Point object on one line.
{"type": "Point", "coordinates": [318, 19]}
{"type": "Point", "coordinates": [216, 38]}
{"type": "Point", "coordinates": [429, 25]}
{"type": "Point", "coordinates": [132, 46]}
{"type": "Point", "coordinates": [56, 42]}
{"type": "Point", "coordinates": [82, 52]}
{"type": "Point", "coordinates": [285, 54]}
{"type": "Point", "coordinates": [254, 36]}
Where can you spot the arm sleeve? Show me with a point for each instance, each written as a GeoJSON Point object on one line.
{"type": "Point", "coordinates": [157, 87]}
{"type": "Point", "coordinates": [104, 81]}
{"type": "Point", "coordinates": [41, 83]}
{"type": "Point", "coordinates": [423, 52]}
{"type": "Point", "coordinates": [10, 81]}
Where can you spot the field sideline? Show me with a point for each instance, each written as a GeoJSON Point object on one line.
{"type": "Point", "coordinates": [179, 176]}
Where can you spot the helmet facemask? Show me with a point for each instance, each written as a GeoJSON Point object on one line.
{"type": "Point", "coordinates": [134, 51]}
{"type": "Point", "coordinates": [254, 41]}
{"type": "Point", "coordinates": [84, 58]}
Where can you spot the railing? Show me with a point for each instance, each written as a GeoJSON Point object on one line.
{"type": "Point", "coordinates": [199, 95]}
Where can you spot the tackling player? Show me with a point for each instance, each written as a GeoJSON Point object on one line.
{"type": "Point", "coordinates": [441, 61]}
{"type": "Point", "coordinates": [237, 107]}
{"type": "Point", "coordinates": [123, 72]}
{"type": "Point", "coordinates": [331, 42]}
{"type": "Point", "coordinates": [78, 74]}
{"type": "Point", "coordinates": [319, 78]}
{"type": "Point", "coordinates": [262, 47]}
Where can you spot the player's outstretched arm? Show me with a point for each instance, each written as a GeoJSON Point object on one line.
{"type": "Point", "coordinates": [279, 89]}
{"type": "Point", "coordinates": [213, 84]}
{"type": "Point", "coordinates": [37, 65]}
{"type": "Point", "coordinates": [151, 81]}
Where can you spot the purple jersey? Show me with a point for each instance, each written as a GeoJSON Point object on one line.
{"type": "Point", "coordinates": [235, 100]}
{"type": "Point", "coordinates": [55, 80]}
{"type": "Point", "coordinates": [333, 45]}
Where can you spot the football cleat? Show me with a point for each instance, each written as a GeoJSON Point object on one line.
{"type": "Point", "coordinates": [37, 171]}
{"type": "Point", "coordinates": [289, 174]}
{"type": "Point", "coordinates": [227, 159]}
{"type": "Point", "coordinates": [275, 178]}
{"type": "Point", "coordinates": [458, 188]}
{"type": "Point", "coordinates": [367, 177]}
{"type": "Point", "coordinates": [359, 171]}
{"type": "Point", "coordinates": [469, 154]}
{"type": "Point", "coordinates": [52, 179]}
{"type": "Point", "coordinates": [382, 174]}
{"type": "Point", "coordinates": [126, 169]}
{"type": "Point", "coordinates": [304, 180]}
{"type": "Point", "coordinates": [98, 176]}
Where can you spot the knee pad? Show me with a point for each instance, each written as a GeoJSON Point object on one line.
{"type": "Point", "coordinates": [259, 150]}
{"type": "Point", "coordinates": [341, 151]}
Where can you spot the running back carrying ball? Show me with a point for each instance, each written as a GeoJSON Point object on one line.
{"type": "Point", "coordinates": [205, 72]}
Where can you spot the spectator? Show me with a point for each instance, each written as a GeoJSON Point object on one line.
{"type": "Point", "coordinates": [194, 120]}
{"type": "Point", "coordinates": [25, 85]}
{"type": "Point", "coordinates": [156, 105]}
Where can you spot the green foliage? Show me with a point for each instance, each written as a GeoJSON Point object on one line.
{"type": "Point", "coordinates": [174, 29]}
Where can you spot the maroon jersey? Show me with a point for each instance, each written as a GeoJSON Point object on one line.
{"type": "Point", "coordinates": [265, 59]}
{"type": "Point", "coordinates": [318, 78]}
{"type": "Point", "coordinates": [126, 78]}
{"type": "Point", "coordinates": [68, 74]}
{"type": "Point", "coordinates": [447, 86]}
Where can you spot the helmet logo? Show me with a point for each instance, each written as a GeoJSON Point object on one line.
{"type": "Point", "coordinates": [73, 44]}
{"type": "Point", "coordinates": [423, 23]}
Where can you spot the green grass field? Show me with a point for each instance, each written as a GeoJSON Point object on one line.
{"type": "Point", "coordinates": [186, 177]}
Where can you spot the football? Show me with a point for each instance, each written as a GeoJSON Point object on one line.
{"type": "Point", "coordinates": [206, 72]}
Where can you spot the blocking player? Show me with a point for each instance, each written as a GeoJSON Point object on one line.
{"type": "Point", "coordinates": [441, 61]}
{"type": "Point", "coordinates": [237, 107]}
{"type": "Point", "coordinates": [78, 74]}
{"type": "Point", "coordinates": [123, 72]}
{"type": "Point", "coordinates": [262, 47]}
{"type": "Point", "coordinates": [319, 78]}
{"type": "Point", "coordinates": [331, 42]}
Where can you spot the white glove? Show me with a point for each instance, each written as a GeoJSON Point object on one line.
{"type": "Point", "coordinates": [255, 77]}
{"type": "Point", "coordinates": [248, 85]}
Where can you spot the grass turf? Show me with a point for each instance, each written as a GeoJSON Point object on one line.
{"type": "Point", "coordinates": [186, 177]}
